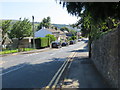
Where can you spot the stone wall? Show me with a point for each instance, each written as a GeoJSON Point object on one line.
{"type": "Point", "coordinates": [105, 57]}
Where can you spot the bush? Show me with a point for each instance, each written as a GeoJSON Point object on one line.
{"type": "Point", "coordinates": [51, 37]}
{"type": "Point", "coordinates": [42, 42]}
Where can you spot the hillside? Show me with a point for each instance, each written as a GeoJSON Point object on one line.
{"type": "Point", "coordinates": [60, 25]}
{"type": "Point", "coordinates": [37, 23]}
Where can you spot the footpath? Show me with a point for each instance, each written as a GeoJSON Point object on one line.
{"type": "Point", "coordinates": [83, 73]}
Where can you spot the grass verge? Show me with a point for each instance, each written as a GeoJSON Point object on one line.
{"type": "Point", "coordinates": [16, 50]}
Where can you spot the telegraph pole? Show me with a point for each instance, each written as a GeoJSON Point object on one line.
{"type": "Point", "coordinates": [33, 32]}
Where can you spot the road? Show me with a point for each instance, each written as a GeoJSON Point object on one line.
{"type": "Point", "coordinates": [34, 70]}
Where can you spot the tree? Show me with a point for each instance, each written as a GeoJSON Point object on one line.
{"type": "Point", "coordinates": [52, 37]}
{"type": "Point", "coordinates": [21, 29]}
{"type": "Point", "coordinates": [46, 22]}
{"type": "Point", "coordinates": [98, 15]}
{"type": "Point", "coordinates": [95, 17]}
{"type": "Point", "coordinates": [5, 29]}
{"type": "Point", "coordinates": [64, 29]}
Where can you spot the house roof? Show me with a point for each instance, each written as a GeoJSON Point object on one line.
{"type": "Point", "coordinates": [53, 30]}
{"type": "Point", "coordinates": [44, 31]}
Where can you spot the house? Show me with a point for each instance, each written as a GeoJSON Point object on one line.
{"type": "Point", "coordinates": [24, 43]}
{"type": "Point", "coordinates": [57, 33]}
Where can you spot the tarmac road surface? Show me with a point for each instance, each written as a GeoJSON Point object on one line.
{"type": "Point", "coordinates": [34, 70]}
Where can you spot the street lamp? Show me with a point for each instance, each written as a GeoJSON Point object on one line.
{"type": "Point", "coordinates": [33, 32]}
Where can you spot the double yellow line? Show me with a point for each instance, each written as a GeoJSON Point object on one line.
{"type": "Point", "coordinates": [53, 83]}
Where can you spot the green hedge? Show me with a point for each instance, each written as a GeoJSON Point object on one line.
{"type": "Point", "coordinates": [42, 42]}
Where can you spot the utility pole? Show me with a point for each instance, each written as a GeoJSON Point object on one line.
{"type": "Point", "coordinates": [33, 32]}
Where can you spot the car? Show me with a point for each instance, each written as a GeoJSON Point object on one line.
{"type": "Point", "coordinates": [71, 42]}
{"type": "Point", "coordinates": [56, 45]}
{"type": "Point", "coordinates": [64, 44]}
{"type": "Point", "coordinates": [79, 40]}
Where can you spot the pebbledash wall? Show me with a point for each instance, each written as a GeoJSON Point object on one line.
{"type": "Point", "coordinates": [105, 57]}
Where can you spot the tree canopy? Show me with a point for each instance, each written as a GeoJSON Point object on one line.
{"type": "Point", "coordinates": [101, 16]}
{"type": "Point", "coordinates": [5, 28]}
{"type": "Point", "coordinates": [21, 29]}
{"type": "Point", "coordinates": [97, 10]}
{"type": "Point", "coordinates": [52, 37]}
{"type": "Point", "coordinates": [64, 29]}
{"type": "Point", "coordinates": [97, 18]}
{"type": "Point", "coordinates": [46, 22]}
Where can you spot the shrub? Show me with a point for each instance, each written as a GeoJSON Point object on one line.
{"type": "Point", "coordinates": [42, 42]}
{"type": "Point", "coordinates": [51, 37]}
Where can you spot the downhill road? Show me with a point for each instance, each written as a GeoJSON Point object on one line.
{"type": "Point", "coordinates": [34, 70]}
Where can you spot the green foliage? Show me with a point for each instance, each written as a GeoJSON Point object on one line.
{"type": "Point", "coordinates": [73, 37]}
{"type": "Point", "coordinates": [73, 32]}
{"type": "Point", "coordinates": [21, 29]}
{"type": "Point", "coordinates": [5, 29]}
{"type": "Point", "coordinates": [95, 9]}
{"type": "Point", "coordinates": [51, 37]}
{"type": "Point", "coordinates": [70, 31]}
{"type": "Point", "coordinates": [95, 20]}
{"type": "Point", "coordinates": [46, 22]}
{"type": "Point", "coordinates": [60, 25]}
{"type": "Point", "coordinates": [5, 26]}
{"type": "Point", "coordinates": [14, 51]}
{"type": "Point", "coordinates": [64, 29]}
{"type": "Point", "coordinates": [42, 42]}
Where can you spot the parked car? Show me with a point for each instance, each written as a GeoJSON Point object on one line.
{"type": "Point", "coordinates": [64, 44]}
{"type": "Point", "coordinates": [56, 45]}
{"type": "Point", "coordinates": [71, 42]}
{"type": "Point", "coordinates": [79, 40]}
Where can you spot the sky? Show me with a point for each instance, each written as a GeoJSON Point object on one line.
{"type": "Point", "coordinates": [15, 9]}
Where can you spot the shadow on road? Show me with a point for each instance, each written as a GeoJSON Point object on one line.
{"type": "Point", "coordinates": [35, 75]}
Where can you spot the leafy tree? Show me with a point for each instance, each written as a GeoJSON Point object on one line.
{"type": "Point", "coordinates": [64, 29]}
{"type": "Point", "coordinates": [95, 17]}
{"type": "Point", "coordinates": [56, 28]}
{"type": "Point", "coordinates": [73, 32]}
{"type": "Point", "coordinates": [5, 28]}
{"type": "Point", "coordinates": [73, 37]}
{"type": "Point", "coordinates": [52, 37]}
{"type": "Point", "coordinates": [21, 29]}
{"type": "Point", "coordinates": [46, 22]}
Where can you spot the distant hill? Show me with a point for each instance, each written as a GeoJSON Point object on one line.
{"type": "Point", "coordinates": [60, 25]}
{"type": "Point", "coordinates": [37, 23]}
{"type": "Point", "coordinates": [64, 25]}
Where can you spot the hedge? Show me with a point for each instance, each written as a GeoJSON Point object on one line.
{"type": "Point", "coordinates": [42, 42]}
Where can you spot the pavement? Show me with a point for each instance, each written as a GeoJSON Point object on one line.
{"type": "Point", "coordinates": [83, 73]}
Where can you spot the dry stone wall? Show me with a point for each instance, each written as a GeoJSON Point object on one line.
{"type": "Point", "coordinates": [105, 57]}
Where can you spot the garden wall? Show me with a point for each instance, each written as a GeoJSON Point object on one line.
{"type": "Point", "coordinates": [105, 57]}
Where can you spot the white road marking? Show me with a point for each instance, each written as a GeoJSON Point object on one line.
{"type": "Point", "coordinates": [11, 70]}
{"type": "Point", "coordinates": [52, 54]}
{"type": "Point", "coordinates": [32, 54]}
